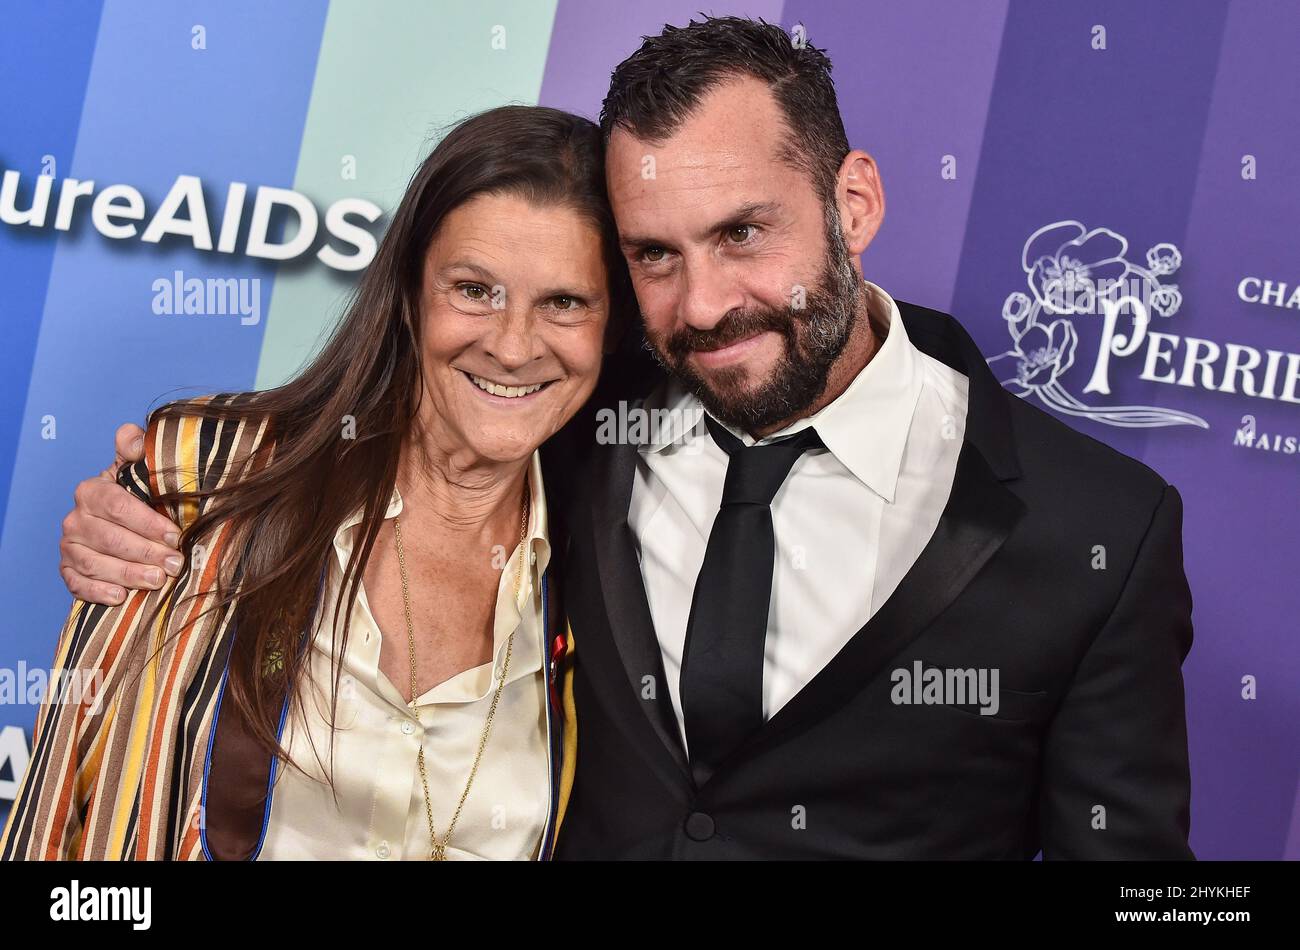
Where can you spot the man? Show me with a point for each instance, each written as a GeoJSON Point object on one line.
{"type": "Point", "coordinates": [858, 601]}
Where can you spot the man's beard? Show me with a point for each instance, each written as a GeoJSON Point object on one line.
{"type": "Point", "coordinates": [814, 338]}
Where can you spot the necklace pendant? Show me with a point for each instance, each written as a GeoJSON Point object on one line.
{"type": "Point", "coordinates": [439, 853]}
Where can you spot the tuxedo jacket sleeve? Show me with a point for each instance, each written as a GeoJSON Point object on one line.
{"type": "Point", "coordinates": [1115, 772]}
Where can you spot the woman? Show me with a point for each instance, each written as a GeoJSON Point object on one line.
{"type": "Point", "coordinates": [361, 656]}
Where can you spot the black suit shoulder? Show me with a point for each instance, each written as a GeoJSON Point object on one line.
{"type": "Point", "coordinates": [1075, 470]}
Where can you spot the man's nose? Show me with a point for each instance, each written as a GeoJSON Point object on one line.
{"type": "Point", "coordinates": [709, 293]}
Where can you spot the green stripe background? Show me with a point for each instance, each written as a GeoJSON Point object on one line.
{"type": "Point", "coordinates": [390, 78]}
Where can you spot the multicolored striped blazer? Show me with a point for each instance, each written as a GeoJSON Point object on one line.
{"type": "Point", "coordinates": [149, 766]}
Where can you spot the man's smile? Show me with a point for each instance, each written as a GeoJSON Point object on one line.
{"type": "Point", "coordinates": [733, 353]}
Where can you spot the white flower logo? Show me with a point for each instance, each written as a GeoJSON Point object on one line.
{"type": "Point", "coordinates": [1071, 270]}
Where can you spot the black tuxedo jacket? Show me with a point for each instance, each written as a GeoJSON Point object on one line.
{"type": "Point", "coordinates": [1057, 561]}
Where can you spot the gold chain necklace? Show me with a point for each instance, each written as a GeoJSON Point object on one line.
{"type": "Point", "coordinates": [438, 849]}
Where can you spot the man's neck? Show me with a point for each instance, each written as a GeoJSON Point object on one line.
{"type": "Point", "coordinates": [862, 345]}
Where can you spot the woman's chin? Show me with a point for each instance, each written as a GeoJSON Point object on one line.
{"type": "Point", "coordinates": [502, 448]}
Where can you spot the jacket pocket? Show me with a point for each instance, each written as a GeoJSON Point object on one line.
{"type": "Point", "coordinates": [1013, 705]}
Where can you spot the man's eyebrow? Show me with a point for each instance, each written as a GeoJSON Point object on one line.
{"type": "Point", "coordinates": [742, 215]}
{"type": "Point", "coordinates": [634, 242]}
{"type": "Point", "coordinates": [745, 214]}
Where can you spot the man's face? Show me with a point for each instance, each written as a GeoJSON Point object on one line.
{"type": "Point", "coordinates": [745, 284]}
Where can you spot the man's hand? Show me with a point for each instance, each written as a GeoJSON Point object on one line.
{"type": "Point", "coordinates": [112, 540]}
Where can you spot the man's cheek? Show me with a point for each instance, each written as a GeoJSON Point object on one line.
{"type": "Point", "coordinates": [657, 304]}
{"type": "Point", "coordinates": [657, 330]}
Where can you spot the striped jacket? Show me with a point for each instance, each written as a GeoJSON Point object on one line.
{"type": "Point", "coordinates": [148, 766]}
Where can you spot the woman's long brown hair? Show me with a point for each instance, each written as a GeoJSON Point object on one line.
{"type": "Point", "coordinates": [286, 512]}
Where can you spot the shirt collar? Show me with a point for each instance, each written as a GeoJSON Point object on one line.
{"type": "Point", "coordinates": [865, 427]}
{"type": "Point", "coordinates": [539, 542]}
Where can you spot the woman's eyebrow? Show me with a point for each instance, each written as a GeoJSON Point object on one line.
{"type": "Point", "coordinates": [479, 272]}
{"type": "Point", "coordinates": [589, 294]}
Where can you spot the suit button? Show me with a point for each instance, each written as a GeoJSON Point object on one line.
{"type": "Point", "coordinates": [699, 826]}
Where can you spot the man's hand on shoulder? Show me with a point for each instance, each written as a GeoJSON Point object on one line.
{"type": "Point", "coordinates": [112, 540]}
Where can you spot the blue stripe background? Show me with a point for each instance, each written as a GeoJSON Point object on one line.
{"type": "Point", "coordinates": [154, 108]}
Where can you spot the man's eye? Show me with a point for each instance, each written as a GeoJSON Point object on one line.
{"type": "Point", "coordinates": [652, 255]}
{"type": "Point", "coordinates": [740, 234]}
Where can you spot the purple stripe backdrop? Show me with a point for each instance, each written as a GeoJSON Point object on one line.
{"type": "Point", "coordinates": [1099, 136]}
{"type": "Point", "coordinates": [1240, 526]}
{"type": "Point", "coordinates": [909, 97]}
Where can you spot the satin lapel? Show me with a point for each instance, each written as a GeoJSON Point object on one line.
{"type": "Point", "coordinates": [980, 514]}
{"type": "Point", "coordinates": [238, 775]}
{"type": "Point", "coordinates": [235, 788]}
{"type": "Point", "coordinates": [623, 591]}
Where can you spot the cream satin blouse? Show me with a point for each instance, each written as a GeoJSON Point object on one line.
{"type": "Point", "coordinates": [380, 812]}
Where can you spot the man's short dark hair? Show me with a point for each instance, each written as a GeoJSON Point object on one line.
{"type": "Point", "coordinates": [656, 88]}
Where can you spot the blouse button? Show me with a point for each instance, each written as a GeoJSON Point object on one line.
{"type": "Point", "coordinates": [381, 852]}
{"type": "Point", "coordinates": [408, 727]}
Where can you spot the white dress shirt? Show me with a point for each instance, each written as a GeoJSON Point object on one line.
{"type": "Point", "coordinates": [380, 814]}
{"type": "Point", "coordinates": [849, 521]}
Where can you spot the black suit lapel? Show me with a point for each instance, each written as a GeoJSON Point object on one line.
{"type": "Point", "coordinates": [630, 623]}
{"type": "Point", "coordinates": [979, 516]}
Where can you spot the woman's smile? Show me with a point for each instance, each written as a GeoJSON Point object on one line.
{"type": "Point", "coordinates": [505, 393]}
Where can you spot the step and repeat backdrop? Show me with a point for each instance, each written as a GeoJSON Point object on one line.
{"type": "Point", "coordinates": [152, 152]}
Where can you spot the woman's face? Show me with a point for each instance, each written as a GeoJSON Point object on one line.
{"type": "Point", "coordinates": [514, 309]}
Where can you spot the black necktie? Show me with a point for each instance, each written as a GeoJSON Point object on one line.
{"type": "Point", "coordinates": [722, 662]}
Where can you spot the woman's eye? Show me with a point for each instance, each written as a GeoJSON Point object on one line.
{"type": "Point", "coordinates": [564, 302]}
{"type": "Point", "coordinates": [474, 291]}
{"type": "Point", "coordinates": [740, 234]}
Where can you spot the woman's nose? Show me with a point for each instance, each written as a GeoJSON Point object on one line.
{"type": "Point", "coordinates": [512, 342]}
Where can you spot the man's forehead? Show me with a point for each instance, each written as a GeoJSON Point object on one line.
{"type": "Point", "coordinates": [635, 161]}
{"type": "Point", "coordinates": [736, 125]}
{"type": "Point", "coordinates": [639, 168]}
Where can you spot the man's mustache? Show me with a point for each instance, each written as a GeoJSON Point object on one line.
{"type": "Point", "coordinates": [734, 327]}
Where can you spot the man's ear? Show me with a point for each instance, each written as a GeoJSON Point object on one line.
{"type": "Point", "coordinates": [861, 200]}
